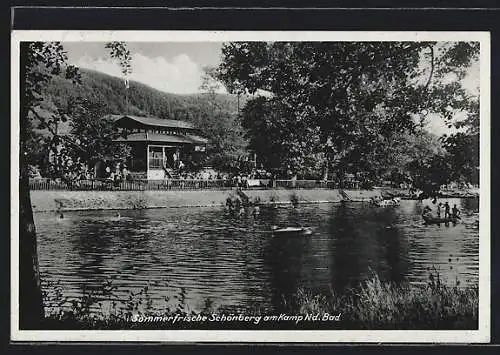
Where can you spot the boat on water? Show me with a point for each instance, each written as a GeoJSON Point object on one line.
{"type": "Point", "coordinates": [396, 201]}
{"type": "Point", "coordinates": [291, 231]}
{"type": "Point", "coordinates": [437, 220]}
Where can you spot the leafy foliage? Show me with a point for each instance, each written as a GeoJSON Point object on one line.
{"type": "Point", "coordinates": [91, 138]}
{"type": "Point", "coordinates": [120, 51]}
{"type": "Point", "coordinates": [66, 155]}
{"type": "Point", "coordinates": [344, 101]}
{"type": "Point", "coordinates": [278, 143]}
{"type": "Point", "coordinates": [227, 145]}
{"type": "Point", "coordinates": [40, 62]}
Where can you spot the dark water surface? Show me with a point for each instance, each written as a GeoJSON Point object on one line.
{"type": "Point", "coordinates": [236, 261]}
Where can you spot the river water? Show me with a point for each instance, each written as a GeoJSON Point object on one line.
{"type": "Point", "coordinates": [206, 254]}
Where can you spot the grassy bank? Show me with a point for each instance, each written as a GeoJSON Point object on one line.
{"type": "Point", "coordinates": [381, 305]}
{"type": "Point", "coordinates": [372, 305]}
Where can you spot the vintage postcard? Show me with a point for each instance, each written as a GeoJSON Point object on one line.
{"type": "Point", "coordinates": [249, 186]}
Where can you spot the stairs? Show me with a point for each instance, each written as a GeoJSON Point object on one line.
{"type": "Point", "coordinates": [244, 198]}
{"type": "Point", "coordinates": [344, 195]}
{"type": "Point", "coordinates": [171, 173]}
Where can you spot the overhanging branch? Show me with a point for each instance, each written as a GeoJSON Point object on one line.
{"type": "Point", "coordinates": [432, 68]}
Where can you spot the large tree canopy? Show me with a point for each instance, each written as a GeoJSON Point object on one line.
{"type": "Point", "coordinates": [343, 100]}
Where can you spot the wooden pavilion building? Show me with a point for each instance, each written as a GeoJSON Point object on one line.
{"type": "Point", "coordinates": [161, 146]}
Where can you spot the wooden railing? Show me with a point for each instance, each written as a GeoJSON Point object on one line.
{"type": "Point", "coordinates": [175, 184]}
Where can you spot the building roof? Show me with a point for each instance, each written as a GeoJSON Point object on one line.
{"type": "Point", "coordinates": [197, 139]}
{"type": "Point", "coordinates": [154, 121]}
{"type": "Point", "coordinates": [163, 138]}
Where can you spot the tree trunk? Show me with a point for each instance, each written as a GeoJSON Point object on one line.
{"type": "Point", "coordinates": [325, 172]}
{"type": "Point", "coordinates": [31, 310]}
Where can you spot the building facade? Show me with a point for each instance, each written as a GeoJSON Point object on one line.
{"type": "Point", "coordinates": [161, 148]}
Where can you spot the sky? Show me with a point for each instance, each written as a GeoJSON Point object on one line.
{"type": "Point", "coordinates": [170, 67]}
{"type": "Point", "coordinates": [177, 67]}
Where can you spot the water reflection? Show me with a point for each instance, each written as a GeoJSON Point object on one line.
{"type": "Point", "coordinates": [237, 261]}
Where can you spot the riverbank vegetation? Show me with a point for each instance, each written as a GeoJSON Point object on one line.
{"type": "Point", "coordinates": [382, 305]}
{"type": "Point", "coordinates": [374, 304]}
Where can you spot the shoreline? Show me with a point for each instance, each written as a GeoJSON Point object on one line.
{"type": "Point", "coordinates": [60, 200]}
{"type": "Point", "coordinates": [63, 200]}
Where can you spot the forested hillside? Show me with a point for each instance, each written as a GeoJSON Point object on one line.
{"type": "Point", "coordinates": [140, 99]}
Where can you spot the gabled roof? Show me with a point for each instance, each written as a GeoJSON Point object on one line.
{"type": "Point", "coordinates": [154, 121]}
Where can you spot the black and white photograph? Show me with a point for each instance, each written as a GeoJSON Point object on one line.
{"type": "Point", "coordinates": [250, 186]}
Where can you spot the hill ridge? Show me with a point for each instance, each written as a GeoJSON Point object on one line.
{"type": "Point", "coordinates": [140, 99]}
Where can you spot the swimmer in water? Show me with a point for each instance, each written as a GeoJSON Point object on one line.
{"type": "Point", "coordinates": [256, 211]}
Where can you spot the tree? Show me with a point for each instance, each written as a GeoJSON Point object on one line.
{"type": "Point", "coordinates": [92, 138]}
{"type": "Point", "coordinates": [276, 142]}
{"type": "Point", "coordinates": [119, 51]}
{"type": "Point", "coordinates": [463, 147]}
{"type": "Point", "coordinates": [347, 98]}
{"type": "Point", "coordinates": [227, 145]}
{"type": "Point", "coordinates": [396, 152]}
{"type": "Point", "coordinates": [430, 174]}
{"type": "Point", "coordinates": [95, 132]}
{"type": "Point", "coordinates": [39, 63]}
{"type": "Point", "coordinates": [463, 151]}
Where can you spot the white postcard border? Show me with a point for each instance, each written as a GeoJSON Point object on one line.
{"type": "Point", "coordinates": [482, 335]}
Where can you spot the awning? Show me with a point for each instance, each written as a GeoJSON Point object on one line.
{"type": "Point", "coordinates": [163, 138]}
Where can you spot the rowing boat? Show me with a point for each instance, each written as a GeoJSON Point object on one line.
{"type": "Point", "coordinates": [435, 220]}
{"type": "Point", "coordinates": [291, 231]}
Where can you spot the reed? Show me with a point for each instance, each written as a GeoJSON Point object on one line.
{"type": "Point", "coordinates": [374, 304]}
{"type": "Point", "coordinates": [382, 305]}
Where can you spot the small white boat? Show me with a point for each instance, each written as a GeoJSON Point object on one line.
{"type": "Point", "coordinates": [291, 230]}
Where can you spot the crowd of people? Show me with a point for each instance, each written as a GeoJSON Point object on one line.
{"type": "Point", "coordinates": [442, 209]}
{"type": "Point", "coordinates": [235, 179]}
{"type": "Point", "coordinates": [117, 173]}
{"type": "Point", "coordinates": [240, 205]}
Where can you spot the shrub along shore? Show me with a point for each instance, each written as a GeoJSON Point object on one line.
{"type": "Point", "coordinates": [372, 305]}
